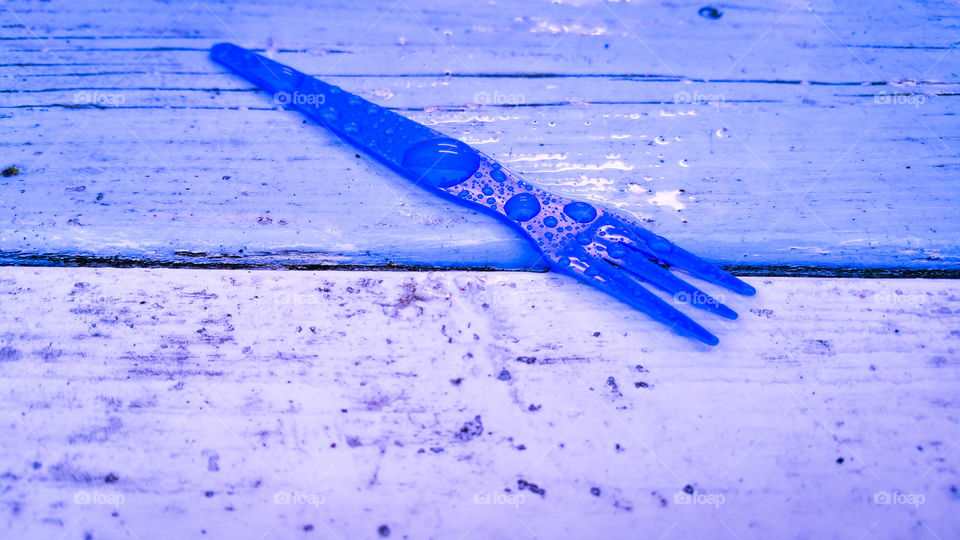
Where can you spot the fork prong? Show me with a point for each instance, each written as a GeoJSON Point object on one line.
{"type": "Point", "coordinates": [623, 286]}
{"type": "Point", "coordinates": [637, 264]}
{"type": "Point", "coordinates": [668, 252]}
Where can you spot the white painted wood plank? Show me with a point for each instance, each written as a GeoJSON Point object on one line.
{"type": "Point", "coordinates": [770, 170]}
{"type": "Point", "coordinates": [207, 396]}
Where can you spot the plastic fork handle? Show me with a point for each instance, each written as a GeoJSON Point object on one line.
{"type": "Point", "coordinates": [427, 157]}
{"type": "Point", "coordinates": [374, 129]}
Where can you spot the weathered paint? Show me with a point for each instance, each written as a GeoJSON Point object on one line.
{"type": "Point", "coordinates": [819, 135]}
{"type": "Point", "coordinates": [474, 405]}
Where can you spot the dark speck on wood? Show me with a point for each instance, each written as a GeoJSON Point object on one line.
{"type": "Point", "coordinates": [531, 487]}
{"type": "Point", "coordinates": [471, 429]}
{"type": "Point", "coordinates": [527, 359]}
{"type": "Point", "coordinates": [709, 12]}
{"type": "Point", "coordinates": [111, 478]}
{"type": "Point", "coordinates": [688, 489]}
{"type": "Point", "coordinates": [384, 531]}
{"type": "Point", "coordinates": [504, 375]}
{"type": "Point", "coordinates": [9, 354]}
{"type": "Point", "coordinates": [595, 491]}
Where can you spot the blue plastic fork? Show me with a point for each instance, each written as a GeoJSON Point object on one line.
{"type": "Point", "coordinates": [588, 242]}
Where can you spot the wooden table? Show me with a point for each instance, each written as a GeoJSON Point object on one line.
{"type": "Point", "coordinates": [165, 373]}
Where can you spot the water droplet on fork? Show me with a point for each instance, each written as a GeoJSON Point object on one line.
{"type": "Point", "coordinates": [617, 251]}
{"type": "Point", "coordinates": [522, 207]}
{"type": "Point", "coordinates": [580, 212]}
{"type": "Point", "coordinates": [441, 162]}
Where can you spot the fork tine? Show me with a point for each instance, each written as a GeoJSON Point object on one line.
{"type": "Point", "coordinates": [638, 265]}
{"type": "Point", "coordinates": [629, 290]}
{"type": "Point", "coordinates": [668, 252]}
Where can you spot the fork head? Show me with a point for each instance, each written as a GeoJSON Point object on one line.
{"type": "Point", "coordinates": [618, 256]}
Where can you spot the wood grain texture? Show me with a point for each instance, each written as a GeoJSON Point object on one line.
{"type": "Point", "coordinates": [818, 133]}
{"type": "Point", "coordinates": [162, 403]}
